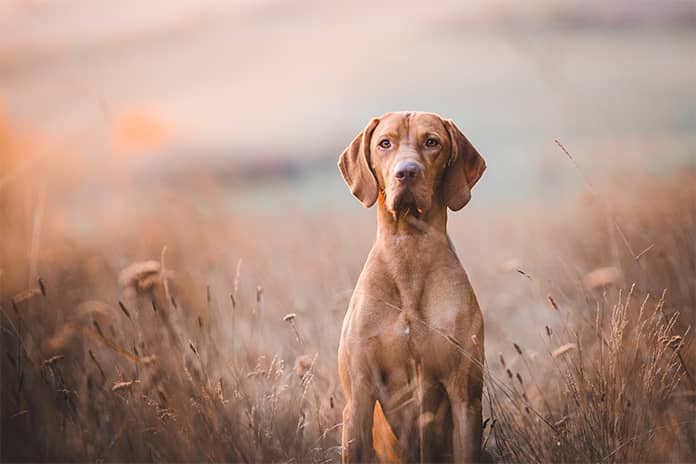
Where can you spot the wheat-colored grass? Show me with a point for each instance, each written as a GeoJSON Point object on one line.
{"type": "Point", "coordinates": [169, 333]}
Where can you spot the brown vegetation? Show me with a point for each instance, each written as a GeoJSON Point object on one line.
{"type": "Point", "coordinates": [165, 331]}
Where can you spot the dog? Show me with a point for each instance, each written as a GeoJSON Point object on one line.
{"type": "Point", "coordinates": [411, 354]}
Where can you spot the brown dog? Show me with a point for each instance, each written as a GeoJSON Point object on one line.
{"type": "Point", "coordinates": [411, 346]}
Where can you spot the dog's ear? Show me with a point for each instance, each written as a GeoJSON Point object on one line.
{"type": "Point", "coordinates": [355, 166]}
{"type": "Point", "coordinates": [464, 169]}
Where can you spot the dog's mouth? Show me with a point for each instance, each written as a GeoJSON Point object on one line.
{"type": "Point", "coordinates": [405, 201]}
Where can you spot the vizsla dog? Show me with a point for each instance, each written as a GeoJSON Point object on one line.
{"type": "Point", "coordinates": [411, 352]}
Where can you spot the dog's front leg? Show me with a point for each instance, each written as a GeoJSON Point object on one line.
{"type": "Point", "coordinates": [466, 418]}
{"type": "Point", "coordinates": [357, 424]}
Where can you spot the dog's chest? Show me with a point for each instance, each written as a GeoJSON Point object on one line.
{"type": "Point", "coordinates": [404, 315]}
{"type": "Point", "coordinates": [406, 340]}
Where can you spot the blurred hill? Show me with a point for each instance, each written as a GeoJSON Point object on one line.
{"type": "Point", "coordinates": [262, 89]}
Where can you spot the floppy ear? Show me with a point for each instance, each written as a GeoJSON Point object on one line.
{"type": "Point", "coordinates": [355, 166]}
{"type": "Point", "coordinates": [464, 169]}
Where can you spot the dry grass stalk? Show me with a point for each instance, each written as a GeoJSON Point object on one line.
{"type": "Point", "coordinates": [290, 319]}
{"type": "Point", "coordinates": [563, 349]}
{"type": "Point", "coordinates": [118, 386]}
{"type": "Point", "coordinates": [53, 359]}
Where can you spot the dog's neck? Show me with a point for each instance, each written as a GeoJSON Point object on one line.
{"type": "Point", "coordinates": [409, 246]}
{"type": "Point", "coordinates": [426, 230]}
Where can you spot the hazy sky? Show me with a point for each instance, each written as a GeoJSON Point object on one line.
{"type": "Point", "coordinates": [280, 80]}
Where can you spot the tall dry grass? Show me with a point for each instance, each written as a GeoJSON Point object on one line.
{"type": "Point", "coordinates": [614, 395]}
{"type": "Point", "coordinates": [159, 325]}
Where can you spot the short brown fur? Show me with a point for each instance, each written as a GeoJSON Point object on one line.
{"type": "Point", "coordinates": [411, 352]}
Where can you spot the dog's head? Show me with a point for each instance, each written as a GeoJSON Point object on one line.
{"type": "Point", "coordinates": [411, 160]}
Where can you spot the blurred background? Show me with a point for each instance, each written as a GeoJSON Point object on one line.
{"type": "Point", "coordinates": [266, 94]}
{"type": "Point", "coordinates": [178, 249]}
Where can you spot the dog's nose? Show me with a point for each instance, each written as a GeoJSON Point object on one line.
{"type": "Point", "coordinates": [405, 171]}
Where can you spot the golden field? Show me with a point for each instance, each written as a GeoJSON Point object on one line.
{"type": "Point", "coordinates": [148, 321]}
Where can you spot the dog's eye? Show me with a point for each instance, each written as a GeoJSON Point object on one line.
{"type": "Point", "coordinates": [431, 142]}
{"type": "Point", "coordinates": [386, 144]}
